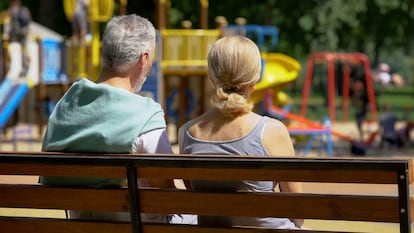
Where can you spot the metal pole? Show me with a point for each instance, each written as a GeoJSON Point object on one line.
{"type": "Point", "coordinates": [134, 207]}
{"type": "Point", "coordinates": [204, 14]}
{"type": "Point", "coordinates": [331, 88]}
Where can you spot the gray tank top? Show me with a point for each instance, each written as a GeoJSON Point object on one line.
{"type": "Point", "coordinates": [251, 144]}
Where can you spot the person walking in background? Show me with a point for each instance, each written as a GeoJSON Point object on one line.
{"type": "Point", "coordinates": [80, 21]}
{"type": "Point", "coordinates": [231, 128]}
{"type": "Point", "coordinates": [107, 117]}
{"type": "Point", "coordinates": [384, 74]}
{"type": "Point", "coordinates": [388, 78]}
{"type": "Point", "coordinates": [20, 19]}
{"type": "Point", "coordinates": [360, 101]}
{"type": "Point", "coordinates": [388, 121]}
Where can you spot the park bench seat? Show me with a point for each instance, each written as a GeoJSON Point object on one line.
{"type": "Point", "coordinates": [324, 206]}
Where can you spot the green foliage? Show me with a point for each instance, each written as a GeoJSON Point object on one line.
{"type": "Point", "coordinates": [3, 5]}
{"type": "Point", "coordinates": [383, 29]}
{"type": "Point", "coordinates": [184, 10]}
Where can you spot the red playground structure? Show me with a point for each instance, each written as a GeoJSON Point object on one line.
{"type": "Point", "coordinates": [348, 59]}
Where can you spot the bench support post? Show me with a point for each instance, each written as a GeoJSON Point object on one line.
{"type": "Point", "coordinates": [404, 201]}
{"type": "Point", "coordinates": [134, 199]}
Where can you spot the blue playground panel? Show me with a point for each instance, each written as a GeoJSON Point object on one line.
{"type": "Point", "coordinates": [153, 83]}
{"type": "Point", "coordinates": [53, 69]}
{"type": "Point", "coordinates": [258, 33]}
{"type": "Point", "coordinates": [1, 60]}
{"type": "Point", "coordinates": [10, 98]}
{"type": "Point", "coordinates": [314, 133]}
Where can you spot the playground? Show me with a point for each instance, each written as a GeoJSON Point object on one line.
{"type": "Point", "coordinates": [322, 126]}
{"type": "Point", "coordinates": [178, 81]}
{"type": "Point", "coordinates": [308, 187]}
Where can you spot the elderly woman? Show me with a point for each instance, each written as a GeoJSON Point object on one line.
{"type": "Point", "coordinates": [231, 128]}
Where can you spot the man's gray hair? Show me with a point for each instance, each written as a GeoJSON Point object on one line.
{"type": "Point", "coordinates": [125, 39]}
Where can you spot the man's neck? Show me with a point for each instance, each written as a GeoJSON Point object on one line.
{"type": "Point", "coordinates": [116, 80]}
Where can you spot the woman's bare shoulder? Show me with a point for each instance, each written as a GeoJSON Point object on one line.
{"type": "Point", "coordinates": [275, 126]}
{"type": "Point", "coordinates": [276, 138]}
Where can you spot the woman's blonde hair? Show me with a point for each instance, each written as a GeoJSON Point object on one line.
{"type": "Point", "coordinates": [234, 63]}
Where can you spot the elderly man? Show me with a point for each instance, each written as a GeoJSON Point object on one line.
{"type": "Point", "coordinates": [107, 117]}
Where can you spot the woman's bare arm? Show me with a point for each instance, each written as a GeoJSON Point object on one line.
{"type": "Point", "coordinates": [277, 142]}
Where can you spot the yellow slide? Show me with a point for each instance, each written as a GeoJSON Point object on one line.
{"type": "Point", "coordinates": [278, 71]}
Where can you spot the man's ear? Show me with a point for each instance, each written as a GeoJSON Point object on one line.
{"type": "Point", "coordinates": [145, 56]}
{"type": "Point", "coordinates": [142, 60]}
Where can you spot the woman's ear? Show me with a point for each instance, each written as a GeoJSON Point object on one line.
{"type": "Point", "coordinates": [213, 84]}
{"type": "Point", "coordinates": [249, 88]}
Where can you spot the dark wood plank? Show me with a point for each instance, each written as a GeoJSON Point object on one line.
{"type": "Point", "coordinates": [36, 196]}
{"type": "Point", "coordinates": [62, 170]}
{"type": "Point", "coordinates": [35, 225]}
{"type": "Point", "coordinates": [303, 175]}
{"type": "Point", "coordinates": [164, 228]}
{"type": "Point", "coordinates": [313, 206]}
{"type": "Point", "coordinates": [411, 206]}
{"type": "Point", "coordinates": [208, 161]}
{"type": "Point", "coordinates": [252, 204]}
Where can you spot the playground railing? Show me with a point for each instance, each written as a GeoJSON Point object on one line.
{"type": "Point", "coordinates": [186, 48]}
{"type": "Point", "coordinates": [78, 61]}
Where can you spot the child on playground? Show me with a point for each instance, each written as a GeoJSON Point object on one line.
{"type": "Point", "coordinates": [360, 103]}
{"type": "Point", "coordinates": [389, 134]}
{"type": "Point", "coordinates": [20, 18]}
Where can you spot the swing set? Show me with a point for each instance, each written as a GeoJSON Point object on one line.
{"type": "Point", "coordinates": [347, 59]}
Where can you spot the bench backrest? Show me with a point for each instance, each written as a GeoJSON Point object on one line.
{"type": "Point", "coordinates": [374, 208]}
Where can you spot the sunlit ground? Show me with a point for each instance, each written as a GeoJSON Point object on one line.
{"type": "Point", "coordinates": [35, 145]}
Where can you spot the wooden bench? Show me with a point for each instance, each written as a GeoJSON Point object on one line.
{"type": "Point", "coordinates": [358, 207]}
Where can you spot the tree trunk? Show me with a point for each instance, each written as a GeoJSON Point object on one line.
{"type": "Point", "coordinates": [377, 49]}
{"type": "Point", "coordinates": [46, 12]}
{"type": "Point", "coordinates": [269, 6]}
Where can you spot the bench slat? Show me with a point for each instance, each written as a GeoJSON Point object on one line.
{"type": "Point", "coordinates": [346, 176]}
{"type": "Point", "coordinates": [36, 196]}
{"type": "Point", "coordinates": [35, 225]}
{"type": "Point", "coordinates": [207, 161]}
{"type": "Point", "coordinates": [380, 208]}
{"type": "Point", "coordinates": [318, 206]}
{"type": "Point", "coordinates": [312, 206]}
{"type": "Point", "coordinates": [157, 228]}
{"type": "Point", "coordinates": [411, 206]}
{"type": "Point", "coordinates": [62, 170]}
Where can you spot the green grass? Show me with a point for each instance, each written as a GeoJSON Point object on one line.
{"type": "Point", "coordinates": [400, 98]}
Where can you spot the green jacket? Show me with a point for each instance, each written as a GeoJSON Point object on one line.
{"type": "Point", "coordinates": [98, 118]}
